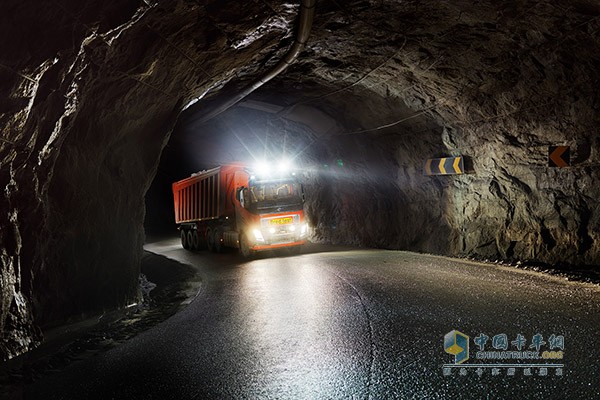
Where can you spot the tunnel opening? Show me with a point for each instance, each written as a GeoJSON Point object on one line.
{"type": "Point", "coordinates": [346, 172]}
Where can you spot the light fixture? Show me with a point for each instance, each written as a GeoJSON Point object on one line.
{"type": "Point", "coordinates": [284, 166]}
{"type": "Point", "coordinates": [261, 168]}
{"type": "Point", "coordinates": [304, 229]}
{"type": "Point", "coordinates": [258, 235]}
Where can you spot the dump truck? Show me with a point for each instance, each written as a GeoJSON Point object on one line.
{"type": "Point", "coordinates": [240, 207]}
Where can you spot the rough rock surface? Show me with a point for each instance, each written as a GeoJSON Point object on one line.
{"type": "Point", "coordinates": [90, 92]}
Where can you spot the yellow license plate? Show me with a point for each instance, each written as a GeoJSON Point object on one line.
{"type": "Point", "coordinates": [281, 221]}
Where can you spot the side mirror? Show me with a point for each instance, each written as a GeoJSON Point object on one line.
{"type": "Point", "coordinates": [238, 193]}
{"type": "Point", "coordinates": [243, 195]}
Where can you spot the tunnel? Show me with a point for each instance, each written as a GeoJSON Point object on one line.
{"type": "Point", "coordinates": [106, 104]}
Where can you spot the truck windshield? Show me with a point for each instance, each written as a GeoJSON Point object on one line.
{"type": "Point", "coordinates": [275, 194]}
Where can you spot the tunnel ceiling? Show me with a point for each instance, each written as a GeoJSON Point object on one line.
{"type": "Point", "coordinates": [456, 63]}
{"type": "Point", "coordinates": [91, 92]}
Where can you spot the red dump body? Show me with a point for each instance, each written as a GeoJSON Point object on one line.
{"type": "Point", "coordinates": [208, 195]}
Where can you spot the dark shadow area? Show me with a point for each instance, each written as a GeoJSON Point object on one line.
{"type": "Point", "coordinates": [165, 286]}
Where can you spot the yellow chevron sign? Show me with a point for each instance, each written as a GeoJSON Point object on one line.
{"type": "Point", "coordinates": [444, 166]}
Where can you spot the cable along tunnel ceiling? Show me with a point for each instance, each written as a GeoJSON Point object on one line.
{"type": "Point", "coordinates": [91, 92]}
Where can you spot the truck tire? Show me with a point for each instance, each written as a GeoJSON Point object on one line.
{"type": "Point", "coordinates": [201, 233]}
{"type": "Point", "coordinates": [190, 240]}
{"type": "Point", "coordinates": [218, 240]}
{"type": "Point", "coordinates": [210, 240]}
{"type": "Point", "coordinates": [184, 242]}
{"type": "Point", "coordinates": [195, 241]}
{"type": "Point", "coordinates": [245, 246]}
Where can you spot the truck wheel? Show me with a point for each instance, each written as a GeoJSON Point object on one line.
{"type": "Point", "coordinates": [245, 247]}
{"type": "Point", "coordinates": [184, 242]}
{"type": "Point", "coordinates": [190, 240]}
{"type": "Point", "coordinates": [210, 240]}
{"type": "Point", "coordinates": [201, 234]}
{"type": "Point", "coordinates": [218, 240]}
{"type": "Point", "coordinates": [195, 241]}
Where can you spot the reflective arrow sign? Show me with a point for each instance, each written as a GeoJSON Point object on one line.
{"type": "Point", "coordinates": [559, 156]}
{"type": "Point", "coordinates": [444, 166]}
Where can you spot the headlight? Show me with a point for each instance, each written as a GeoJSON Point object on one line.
{"type": "Point", "coordinates": [258, 235]}
{"type": "Point", "coordinates": [272, 230]}
{"type": "Point", "coordinates": [284, 166]}
{"type": "Point", "coordinates": [293, 228]}
{"type": "Point", "coordinates": [262, 168]}
{"type": "Point", "coordinates": [304, 229]}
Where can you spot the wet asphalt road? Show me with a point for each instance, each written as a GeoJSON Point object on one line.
{"type": "Point", "coordinates": [344, 324]}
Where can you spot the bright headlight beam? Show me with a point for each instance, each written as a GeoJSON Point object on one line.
{"type": "Point", "coordinates": [284, 166]}
{"type": "Point", "coordinates": [262, 168]}
{"type": "Point", "coordinates": [258, 235]}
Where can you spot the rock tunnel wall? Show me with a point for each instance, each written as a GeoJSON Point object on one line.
{"type": "Point", "coordinates": [44, 89]}
{"type": "Point", "coordinates": [495, 82]}
{"type": "Point", "coordinates": [504, 208]}
{"type": "Point", "coordinates": [503, 113]}
{"type": "Point", "coordinates": [352, 197]}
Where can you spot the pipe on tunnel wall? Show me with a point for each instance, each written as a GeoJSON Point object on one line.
{"type": "Point", "coordinates": [305, 19]}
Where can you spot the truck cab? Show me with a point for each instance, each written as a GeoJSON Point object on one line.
{"type": "Point", "coordinates": [270, 213]}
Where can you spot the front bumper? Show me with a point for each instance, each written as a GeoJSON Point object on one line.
{"type": "Point", "coordinates": [263, 247]}
{"type": "Point", "coordinates": [275, 235]}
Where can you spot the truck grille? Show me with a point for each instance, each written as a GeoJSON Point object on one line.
{"type": "Point", "coordinates": [281, 229]}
